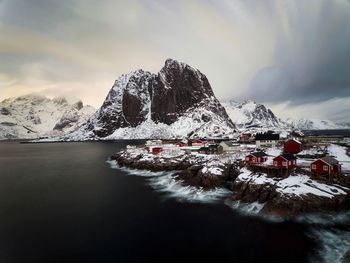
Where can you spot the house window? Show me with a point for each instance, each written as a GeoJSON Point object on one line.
{"type": "Point", "coordinates": [290, 162]}
{"type": "Point", "coordinates": [313, 167]}
{"type": "Point", "coordinates": [247, 158]}
{"type": "Point", "coordinates": [276, 163]}
{"type": "Point", "coordinates": [325, 167]}
{"type": "Point", "coordinates": [284, 163]}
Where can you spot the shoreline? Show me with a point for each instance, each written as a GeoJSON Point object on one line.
{"type": "Point", "coordinates": [282, 196]}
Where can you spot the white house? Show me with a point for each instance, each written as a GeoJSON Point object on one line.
{"type": "Point", "coordinates": [229, 146]}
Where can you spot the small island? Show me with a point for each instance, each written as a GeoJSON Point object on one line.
{"type": "Point", "coordinates": [286, 177]}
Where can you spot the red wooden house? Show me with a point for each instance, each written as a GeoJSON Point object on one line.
{"type": "Point", "coordinates": [180, 144]}
{"type": "Point", "coordinates": [256, 157]}
{"type": "Point", "coordinates": [325, 165]}
{"type": "Point", "coordinates": [244, 139]}
{"type": "Point", "coordinates": [285, 160]}
{"type": "Point", "coordinates": [292, 146]}
{"type": "Point", "coordinates": [157, 149]}
{"type": "Point", "coordinates": [197, 143]}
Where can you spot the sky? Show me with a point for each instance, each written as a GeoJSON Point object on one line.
{"type": "Point", "coordinates": [292, 55]}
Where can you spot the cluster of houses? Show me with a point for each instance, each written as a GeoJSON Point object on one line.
{"type": "Point", "coordinates": [286, 160]}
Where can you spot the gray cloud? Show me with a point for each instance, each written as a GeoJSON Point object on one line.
{"type": "Point", "coordinates": [292, 52]}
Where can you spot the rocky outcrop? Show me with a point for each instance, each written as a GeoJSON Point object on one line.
{"type": "Point", "coordinates": [154, 166]}
{"type": "Point", "coordinates": [191, 170]}
{"type": "Point", "coordinates": [346, 257]}
{"type": "Point", "coordinates": [276, 201]}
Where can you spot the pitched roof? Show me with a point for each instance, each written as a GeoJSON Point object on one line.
{"type": "Point", "coordinates": [329, 160]}
{"type": "Point", "coordinates": [288, 156]}
{"type": "Point", "coordinates": [267, 136]}
{"type": "Point", "coordinates": [294, 140]}
{"type": "Point", "coordinates": [259, 154]}
{"type": "Point", "coordinates": [230, 143]}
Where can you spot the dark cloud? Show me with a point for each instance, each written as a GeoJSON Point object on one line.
{"type": "Point", "coordinates": [273, 51]}
{"type": "Point", "coordinates": [313, 58]}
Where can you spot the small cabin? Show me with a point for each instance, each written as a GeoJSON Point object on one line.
{"type": "Point", "coordinates": [325, 165]}
{"type": "Point", "coordinates": [215, 149]}
{"type": "Point", "coordinates": [229, 146]}
{"type": "Point", "coordinates": [211, 149]}
{"type": "Point", "coordinates": [180, 144]}
{"type": "Point", "coordinates": [256, 157]}
{"type": "Point", "coordinates": [266, 139]}
{"type": "Point", "coordinates": [197, 143]}
{"type": "Point", "coordinates": [244, 138]}
{"type": "Point", "coordinates": [292, 146]}
{"type": "Point", "coordinates": [153, 142]}
{"type": "Point", "coordinates": [203, 150]}
{"type": "Point", "coordinates": [285, 160]}
{"type": "Point", "coordinates": [157, 149]}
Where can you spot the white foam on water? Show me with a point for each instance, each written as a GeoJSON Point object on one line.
{"type": "Point", "coordinates": [333, 241]}
{"type": "Point", "coordinates": [333, 244]}
{"type": "Point", "coordinates": [252, 209]}
{"type": "Point", "coordinates": [331, 231]}
{"type": "Point", "coordinates": [143, 173]}
{"type": "Point", "coordinates": [164, 182]}
{"type": "Point", "coordinates": [325, 219]}
{"type": "Point", "coordinates": [175, 189]}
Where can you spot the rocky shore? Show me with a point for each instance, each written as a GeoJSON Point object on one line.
{"type": "Point", "coordinates": [283, 196]}
{"type": "Point", "coordinates": [194, 170]}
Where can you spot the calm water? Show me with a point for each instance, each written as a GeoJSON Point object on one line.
{"type": "Point", "coordinates": [62, 201]}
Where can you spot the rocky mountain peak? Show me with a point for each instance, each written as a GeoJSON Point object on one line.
{"type": "Point", "coordinates": [162, 99]}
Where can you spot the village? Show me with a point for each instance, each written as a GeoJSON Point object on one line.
{"type": "Point", "coordinates": [320, 157]}
{"type": "Point", "coordinates": [285, 176]}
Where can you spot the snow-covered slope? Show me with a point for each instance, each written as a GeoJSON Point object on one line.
{"type": "Point", "coordinates": [316, 124]}
{"type": "Point", "coordinates": [178, 101]}
{"type": "Point", "coordinates": [249, 114]}
{"type": "Point", "coordinates": [34, 116]}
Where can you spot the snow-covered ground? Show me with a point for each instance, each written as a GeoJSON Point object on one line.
{"type": "Point", "coordinates": [297, 185]}
{"type": "Point", "coordinates": [339, 152]}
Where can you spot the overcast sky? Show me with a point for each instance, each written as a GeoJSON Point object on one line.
{"type": "Point", "coordinates": [292, 55]}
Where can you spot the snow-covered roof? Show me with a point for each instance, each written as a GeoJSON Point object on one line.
{"type": "Point", "coordinates": [287, 156]}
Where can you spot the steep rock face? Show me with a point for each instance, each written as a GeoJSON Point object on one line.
{"type": "Point", "coordinates": [176, 101]}
{"type": "Point", "coordinates": [249, 114]}
{"type": "Point", "coordinates": [34, 116]}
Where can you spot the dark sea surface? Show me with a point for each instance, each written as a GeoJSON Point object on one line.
{"type": "Point", "coordinates": [62, 202]}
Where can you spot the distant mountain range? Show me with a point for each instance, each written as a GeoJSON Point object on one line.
{"type": "Point", "coordinates": [34, 116]}
{"type": "Point", "coordinates": [178, 101]}
{"type": "Point", "coordinates": [316, 124]}
{"type": "Point", "coordinates": [252, 116]}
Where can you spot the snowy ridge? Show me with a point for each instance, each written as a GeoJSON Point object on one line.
{"type": "Point", "coordinates": [249, 114]}
{"type": "Point", "coordinates": [316, 124]}
{"type": "Point", "coordinates": [34, 116]}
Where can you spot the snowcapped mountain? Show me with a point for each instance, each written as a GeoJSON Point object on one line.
{"type": "Point", "coordinates": [34, 116]}
{"type": "Point", "coordinates": [250, 115]}
{"type": "Point", "coordinates": [316, 124]}
{"type": "Point", "coordinates": [178, 101]}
